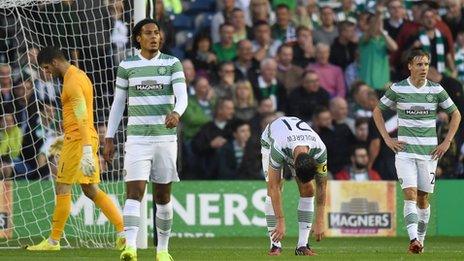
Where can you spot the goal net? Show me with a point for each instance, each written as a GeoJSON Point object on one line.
{"type": "Point", "coordinates": [93, 34]}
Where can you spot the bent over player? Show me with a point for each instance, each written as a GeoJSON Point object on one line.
{"type": "Point", "coordinates": [154, 83]}
{"type": "Point", "coordinates": [416, 100]}
{"type": "Point", "coordinates": [78, 158]}
{"type": "Point", "coordinates": [289, 140]}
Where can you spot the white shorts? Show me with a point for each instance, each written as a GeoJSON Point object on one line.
{"type": "Point", "coordinates": [416, 173]}
{"type": "Point", "coordinates": [265, 163]}
{"type": "Point", "coordinates": [151, 161]}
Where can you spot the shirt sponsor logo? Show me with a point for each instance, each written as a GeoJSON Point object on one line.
{"type": "Point", "coordinates": [417, 110]}
{"type": "Point", "coordinates": [148, 85]}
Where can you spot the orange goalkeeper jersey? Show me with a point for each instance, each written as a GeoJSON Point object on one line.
{"type": "Point", "coordinates": [77, 102]}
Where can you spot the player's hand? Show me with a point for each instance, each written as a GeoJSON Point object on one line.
{"type": "Point", "coordinates": [87, 161]}
{"type": "Point", "coordinates": [172, 119]}
{"type": "Point", "coordinates": [395, 145]}
{"type": "Point", "coordinates": [108, 150]}
{"type": "Point", "coordinates": [56, 146]}
{"type": "Point", "coordinates": [318, 230]}
{"type": "Point", "coordinates": [279, 232]}
{"type": "Point", "coordinates": [217, 142]}
{"type": "Point", "coordinates": [440, 150]}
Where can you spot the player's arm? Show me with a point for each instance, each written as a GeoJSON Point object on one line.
{"type": "Point", "coordinates": [321, 186]}
{"type": "Point", "coordinates": [180, 92]}
{"type": "Point", "coordinates": [116, 112]}
{"type": "Point", "coordinates": [275, 193]}
{"type": "Point", "coordinates": [446, 103]}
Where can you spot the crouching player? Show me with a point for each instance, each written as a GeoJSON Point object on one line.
{"type": "Point", "coordinates": [289, 140]}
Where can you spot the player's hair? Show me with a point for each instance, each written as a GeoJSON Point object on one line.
{"type": "Point", "coordinates": [305, 167]}
{"type": "Point", "coordinates": [138, 29]}
{"type": "Point", "coordinates": [48, 54]}
{"type": "Point", "coordinates": [417, 52]}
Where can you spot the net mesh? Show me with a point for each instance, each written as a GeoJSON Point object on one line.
{"type": "Point", "coordinates": [94, 36]}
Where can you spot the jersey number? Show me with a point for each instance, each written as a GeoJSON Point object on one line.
{"type": "Point", "coordinates": [297, 125]}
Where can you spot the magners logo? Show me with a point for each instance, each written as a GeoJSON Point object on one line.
{"type": "Point", "coordinates": [417, 110]}
{"type": "Point", "coordinates": [359, 217]}
{"type": "Point", "coordinates": [149, 85]}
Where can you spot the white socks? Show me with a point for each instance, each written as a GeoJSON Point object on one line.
{"type": "Point", "coordinates": [270, 219]}
{"type": "Point", "coordinates": [131, 215]}
{"type": "Point", "coordinates": [423, 217]}
{"type": "Point", "coordinates": [163, 225]}
{"type": "Point", "coordinates": [305, 219]}
{"type": "Point", "coordinates": [410, 218]}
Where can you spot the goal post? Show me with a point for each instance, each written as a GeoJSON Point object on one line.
{"type": "Point", "coordinates": [94, 35]}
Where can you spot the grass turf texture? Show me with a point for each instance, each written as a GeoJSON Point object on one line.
{"type": "Point", "coordinates": [437, 248]}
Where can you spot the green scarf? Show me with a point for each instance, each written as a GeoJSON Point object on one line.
{"type": "Point", "coordinates": [440, 48]}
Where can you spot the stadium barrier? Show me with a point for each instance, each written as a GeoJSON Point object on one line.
{"type": "Point", "coordinates": [236, 208]}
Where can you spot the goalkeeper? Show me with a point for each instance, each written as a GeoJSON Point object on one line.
{"type": "Point", "coordinates": [78, 161]}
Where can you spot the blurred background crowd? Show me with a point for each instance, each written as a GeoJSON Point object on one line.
{"type": "Point", "coordinates": [246, 62]}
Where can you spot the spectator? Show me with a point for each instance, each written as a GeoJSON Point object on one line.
{"type": "Point", "coordinates": [352, 71]}
{"type": "Point", "coordinates": [374, 68]}
{"type": "Point", "coordinates": [288, 74]}
{"type": "Point", "coordinates": [308, 16]}
{"type": "Point", "coordinates": [338, 139]}
{"type": "Point", "coordinates": [283, 29]}
{"type": "Point", "coordinates": [459, 58]}
{"type": "Point", "coordinates": [202, 55]}
{"type": "Point", "coordinates": [396, 19]}
{"type": "Point", "coordinates": [120, 31]}
{"type": "Point", "coordinates": [330, 76]}
{"type": "Point", "coordinates": [304, 51]}
{"type": "Point", "coordinates": [358, 170]}
{"type": "Point", "coordinates": [244, 101]}
{"type": "Point", "coordinates": [263, 45]}
{"type": "Point", "coordinates": [260, 10]}
{"type": "Point", "coordinates": [10, 145]}
{"type": "Point", "coordinates": [265, 107]}
{"type": "Point", "coordinates": [246, 66]}
{"type": "Point", "coordinates": [190, 74]}
{"type": "Point", "coordinates": [347, 12]}
{"type": "Point", "coordinates": [211, 137]}
{"type": "Point", "coordinates": [224, 86]}
{"type": "Point", "coordinates": [339, 111]}
{"type": "Point", "coordinates": [237, 159]}
{"type": "Point", "coordinates": [46, 88]}
{"type": "Point", "coordinates": [221, 17]}
{"type": "Point", "coordinates": [266, 84]}
{"type": "Point", "coordinates": [430, 39]}
{"type": "Point", "coordinates": [454, 16]}
{"type": "Point", "coordinates": [328, 31]}
{"type": "Point", "coordinates": [225, 49]}
{"type": "Point", "coordinates": [242, 30]}
{"type": "Point", "coordinates": [30, 65]}
{"type": "Point", "coordinates": [200, 109]}
{"type": "Point", "coordinates": [361, 132]}
{"type": "Point", "coordinates": [6, 87]}
{"type": "Point", "coordinates": [342, 51]}
{"type": "Point", "coordinates": [358, 106]}
{"type": "Point", "coordinates": [303, 100]}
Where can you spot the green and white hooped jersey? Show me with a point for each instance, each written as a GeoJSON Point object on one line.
{"type": "Point", "coordinates": [284, 134]}
{"type": "Point", "coordinates": [417, 113]}
{"type": "Point", "coordinates": [149, 85]}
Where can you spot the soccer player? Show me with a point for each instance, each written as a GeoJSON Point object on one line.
{"type": "Point", "coordinates": [155, 85]}
{"type": "Point", "coordinates": [416, 100]}
{"type": "Point", "coordinates": [289, 140]}
{"type": "Point", "coordinates": [78, 160]}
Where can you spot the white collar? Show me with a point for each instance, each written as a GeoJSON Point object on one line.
{"type": "Point", "coordinates": [152, 59]}
{"type": "Point", "coordinates": [263, 84]}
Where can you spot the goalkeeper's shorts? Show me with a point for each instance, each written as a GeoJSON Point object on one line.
{"type": "Point", "coordinates": [69, 165]}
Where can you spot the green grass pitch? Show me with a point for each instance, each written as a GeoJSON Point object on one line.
{"type": "Point", "coordinates": [437, 248]}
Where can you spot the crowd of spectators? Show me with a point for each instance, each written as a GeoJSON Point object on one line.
{"type": "Point", "coordinates": [247, 63]}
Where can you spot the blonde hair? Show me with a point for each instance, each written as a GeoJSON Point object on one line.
{"type": "Point", "coordinates": [244, 83]}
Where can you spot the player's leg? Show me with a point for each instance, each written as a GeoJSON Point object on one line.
{"type": "Point", "coordinates": [426, 184]}
{"type": "Point", "coordinates": [137, 165]}
{"type": "Point", "coordinates": [271, 221]}
{"type": "Point", "coordinates": [305, 217]}
{"type": "Point", "coordinates": [164, 172]}
{"type": "Point", "coordinates": [406, 169]}
{"type": "Point", "coordinates": [108, 207]}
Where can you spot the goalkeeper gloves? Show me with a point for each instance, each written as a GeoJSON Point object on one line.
{"type": "Point", "coordinates": [55, 147]}
{"type": "Point", "coordinates": [87, 161]}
